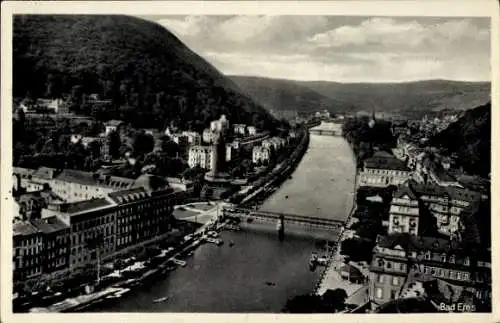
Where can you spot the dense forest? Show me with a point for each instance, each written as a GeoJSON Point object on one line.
{"type": "Point", "coordinates": [147, 74]}
{"type": "Point", "coordinates": [469, 140]}
{"type": "Point", "coordinates": [364, 139]}
{"type": "Point", "coordinates": [286, 95]}
{"type": "Point", "coordinates": [410, 99]}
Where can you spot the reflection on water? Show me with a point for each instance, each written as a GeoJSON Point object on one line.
{"type": "Point", "coordinates": [323, 183]}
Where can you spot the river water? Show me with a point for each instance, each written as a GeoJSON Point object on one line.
{"type": "Point", "coordinates": [234, 279]}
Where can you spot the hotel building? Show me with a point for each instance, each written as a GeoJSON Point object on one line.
{"type": "Point", "coordinates": [382, 170]}
{"type": "Point", "coordinates": [201, 156]}
{"type": "Point", "coordinates": [395, 256]}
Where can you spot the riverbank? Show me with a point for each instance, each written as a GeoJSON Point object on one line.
{"type": "Point", "coordinates": [122, 281]}
{"type": "Point", "coordinates": [264, 187]}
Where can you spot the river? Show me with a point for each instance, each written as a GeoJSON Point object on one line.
{"type": "Point", "coordinates": [233, 279]}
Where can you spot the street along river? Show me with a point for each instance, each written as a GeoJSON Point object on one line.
{"type": "Point", "coordinates": [258, 272]}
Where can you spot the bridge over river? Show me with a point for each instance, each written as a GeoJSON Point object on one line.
{"type": "Point", "coordinates": [319, 228]}
{"type": "Point", "coordinates": [233, 278]}
{"type": "Point", "coordinates": [327, 129]}
{"type": "Point", "coordinates": [318, 198]}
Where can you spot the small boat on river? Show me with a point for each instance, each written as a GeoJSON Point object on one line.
{"type": "Point", "coordinates": [160, 300]}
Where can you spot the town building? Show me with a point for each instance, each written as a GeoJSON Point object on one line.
{"type": "Point", "coordinates": [92, 227]}
{"type": "Point", "coordinates": [229, 152]}
{"type": "Point", "coordinates": [58, 106]}
{"type": "Point", "coordinates": [74, 185]}
{"type": "Point", "coordinates": [260, 154]}
{"type": "Point", "coordinates": [112, 125]}
{"type": "Point", "coordinates": [220, 125]}
{"type": "Point", "coordinates": [251, 130]}
{"type": "Point", "coordinates": [200, 156]}
{"type": "Point", "coordinates": [194, 138]}
{"type": "Point", "coordinates": [382, 170]}
{"type": "Point", "coordinates": [240, 129]}
{"type": "Point", "coordinates": [28, 251]}
{"type": "Point", "coordinates": [30, 204]}
{"type": "Point", "coordinates": [396, 256]}
{"type": "Point", "coordinates": [55, 243]}
{"type": "Point", "coordinates": [404, 212]}
{"type": "Point", "coordinates": [143, 212]}
{"type": "Point", "coordinates": [208, 136]}
{"type": "Point", "coordinates": [445, 204]}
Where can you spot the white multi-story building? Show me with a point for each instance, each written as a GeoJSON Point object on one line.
{"type": "Point", "coordinates": [208, 136]}
{"type": "Point", "coordinates": [229, 151]}
{"type": "Point", "coordinates": [240, 129]}
{"type": "Point", "coordinates": [219, 125]}
{"type": "Point", "coordinates": [252, 131]}
{"type": "Point", "coordinates": [201, 156]}
{"type": "Point", "coordinates": [112, 125]}
{"type": "Point", "coordinates": [275, 142]}
{"type": "Point", "coordinates": [260, 154]}
{"type": "Point", "coordinates": [194, 138]}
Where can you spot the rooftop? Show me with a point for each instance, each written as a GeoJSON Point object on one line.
{"type": "Point", "coordinates": [83, 206]}
{"type": "Point", "coordinates": [24, 228]}
{"type": "Point", "coordinates": [23, 172]}
{"type": "Point", "coordinates": [405, 190]}
{"type": "Point", "coordinates": [114, 123]}
{"type": "Point", "coordinates": [45, 173]}
{"type": "Point", "coordinates": [127, 196]}
{"type": "Point", "coordinates": [49, 225]}
{"type": "Point", "coordinates": [87, 178]}
{"type": "Point", "coordinates": [385, 162]}
{"type": "Point", "coordinates": [455, 193]}
{"type": "Point", "coordinates": [417, 243]}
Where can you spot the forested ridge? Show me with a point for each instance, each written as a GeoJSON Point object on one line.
{"type": "Point", "coordinates": [147, 73]}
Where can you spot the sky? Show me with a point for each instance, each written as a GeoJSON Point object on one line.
{"type": "Point", "coordinates": [339, 48]}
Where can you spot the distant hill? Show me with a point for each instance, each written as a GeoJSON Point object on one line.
{"type": "Point", "coordinates": [286, 97]}
{"type": "Point", "coordinates": [411, 98]}
{"type": "Point", "coordinates": [148, 73]}
{"type": "Point", "coordinates": [432, 95]}
{"type": "Point", "coordinates": [470, 139]}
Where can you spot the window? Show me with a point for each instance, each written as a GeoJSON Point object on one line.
{"type": "Point", "coordinates": [428, 255]}
{"type": "Point", "coordinates": [452, 274]}
{"type": "Point", "coordinates": [379, 293]}
{"type": "Point", "coordinates": [443, 257]}
{"type": "Point", "coordinates": [394, 294]}
{"type": "Point", "coordinates": [395, 281]}
{"type": "Point", "coordinates": [466, 276]}
{"type": "Point", "coordinates": [452, 259]}
{"type": "Point", "coordinates": [389, 265]}
{"type": "Point", "coordinates": [459, 275]}
{"type": "Point", "coordinates": [402, 267]}
{"type": "Point", "coordinates": [467, 261]}
{"type": "Point", "coordinates": [381, 279]}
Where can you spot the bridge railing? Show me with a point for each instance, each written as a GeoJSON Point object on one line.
{"type": "Point", "coordinates": [287, 217]}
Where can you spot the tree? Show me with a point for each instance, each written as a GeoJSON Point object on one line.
{"type": "Point", "coordinates": [357, 249]}
{"type": "Point", "coordinates": [143, 143]}
{"type": "Point", "coordinates": [94, 149]}
{"type": "Point", "coordinates": [114, 144]}
{"type": "Point", "coordinates": [305, 304]}
{"type": "Point", "coordinates": [335, 299]}
{"type": "Point", "coordinates": [168, 146]}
